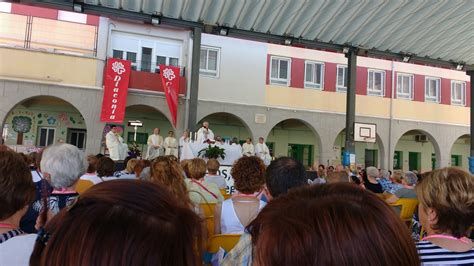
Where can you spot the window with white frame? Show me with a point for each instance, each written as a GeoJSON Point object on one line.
{"type": "Point", "coordinates": [405, 86]}
{"type": "Point", "coordinates": [209, 61]}
{"type": "Point", "coordinates": [45, 136]}
{"type": "Point", "coordinates": [280, 71]}
{"type": "Point", "coordinates": [458, 92]}
{"type": "Point", "coordinates": [341, 85]}
{"type": "Point", "coordinates": [131, 56]}
{"type": "Point", "coordinates": [314, 75]}
{"type": "Point", "coordinates": [432, 89]}
{"type": "Point", "coordinates": [376, 83]}
{"type": "Point", "coordinates": [163, 60]}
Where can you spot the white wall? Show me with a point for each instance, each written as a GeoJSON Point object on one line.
{"type": "Point", "coordinates": [242, 71]}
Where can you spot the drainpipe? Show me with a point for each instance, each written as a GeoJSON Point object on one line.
{"type": "Point", "coordinates": [390, 124]}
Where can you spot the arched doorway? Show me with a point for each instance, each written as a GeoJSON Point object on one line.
{"type": "Point", "coordinates": [460, 152]}
{"type": "Point", "coordinates": [416, 150]}
{"type": "Point", "coordinates": [227, 126]}
{"type": "Point", "coordinates": [41, 121]}
{"type": "Point", "coordinates": [150, 117]}
{"type": "Point", "coordinates": [367, 154]}
{"type": "Point", "coordinates": [295, 138]}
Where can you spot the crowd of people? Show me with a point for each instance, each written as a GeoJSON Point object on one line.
{"type": "Point", "coordinates": [150, 213]}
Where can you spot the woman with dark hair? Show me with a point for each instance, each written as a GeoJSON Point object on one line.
{"type": "Point", "coordinates": [235, 213]}
{"type": "Point", "coordinates": [446, 211]}
{"type": "Point", "coordinates": [17, 192]}
{"type": "Point", "coordinates": [334, 224]}
{"type": "Point", "coordinates": [91, 171]}
{"type": "Point", "coordinates": [125, 222]}
{"type": "Point", "coordinates": [106, 169]}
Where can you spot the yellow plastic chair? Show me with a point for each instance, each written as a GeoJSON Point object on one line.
{"type": "Point", "coordinates": [210, 225]}
{"type": "Point", "coordinates": [225, 241]}
{"type": "Point", "coordinates": [83, 185]}
{"type": "Point", "coordinates": [208, 209]}
{"type": "Point", "coordinates": [224, 193]}
{"type": "Point", "coordinates": [408, 208]}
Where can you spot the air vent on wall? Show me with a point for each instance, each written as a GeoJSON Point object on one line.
{"type": "Point", "coordinates": [421, 138]}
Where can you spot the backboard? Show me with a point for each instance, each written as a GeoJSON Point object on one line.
{"type": "Point", "coordinates": [364, 132]}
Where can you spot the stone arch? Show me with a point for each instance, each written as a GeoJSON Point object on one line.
{"type": "Point", "coordinates": [379, 142]}
{"type": "Point", "coordinates": [12, 103]}
{"type": "Point", "coordinates": [291, 119]}
{"type": "Point", "coordinates": [436, 146]}
{"type": "Point", "coordinates": [87, 101]}
{"type": "Point", "coordinates": [152, 101]}
{"type": "Point", "coordinates": [207, 115]}
{"type": "Point", "coordinates": [460, 151]}
{"type": "Point", "coordinates": [62, 134]}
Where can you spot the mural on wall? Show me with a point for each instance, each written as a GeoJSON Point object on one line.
{"type": "Point", "coordinates": [25, 124]}
{"type": "Point", "coordinates": [21, 125]}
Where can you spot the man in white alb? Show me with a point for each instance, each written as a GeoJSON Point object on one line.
{"type": "Point", "coordinates": [171, 145]}
{"type": "Point", "coordinates": [114, 142]}
{"type": "Point", "coordinates": [155, 145]}
{"type": "Point", "coordinates": [204, 133]}
{"type": "Point", "coordinates": [247, 148]}
{"type": "Point", "coordinates": [262, 151]}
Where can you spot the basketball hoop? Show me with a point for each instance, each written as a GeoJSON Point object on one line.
{"type": "Point", "coordinates": [364, 132]}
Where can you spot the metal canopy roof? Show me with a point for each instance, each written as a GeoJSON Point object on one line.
{"type": "Point", "coordinates": [437, 29]}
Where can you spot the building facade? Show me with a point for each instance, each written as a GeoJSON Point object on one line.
{"type": "Point", "coordinates": [293, 97]}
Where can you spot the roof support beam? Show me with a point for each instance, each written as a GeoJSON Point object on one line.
{"type": "Point", "coordinates": [350, 103]}
{"type": "Point", "coordinates": [471, 159]}
{"type": "Point", "coordinates": [194, 93]}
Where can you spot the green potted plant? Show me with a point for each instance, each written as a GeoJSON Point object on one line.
{"type": "Point", "coordinates": [212, 152]}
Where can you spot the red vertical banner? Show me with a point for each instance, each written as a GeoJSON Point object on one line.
{"type": "Point", "coordinates": [117, 76]}
{"type": "Point", "coordinates": [170, 78]}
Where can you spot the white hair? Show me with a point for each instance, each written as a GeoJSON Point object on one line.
{"type": "Point", "coordinates": [65, 163]}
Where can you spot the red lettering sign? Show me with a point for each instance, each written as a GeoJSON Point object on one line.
{"type": "Point", "coordinates": [170, 78]}
{"type": "Point", "coordinates": [117, 75]}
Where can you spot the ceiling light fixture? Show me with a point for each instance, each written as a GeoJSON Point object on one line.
{"type": "Point", "coordinates": [155, 20]}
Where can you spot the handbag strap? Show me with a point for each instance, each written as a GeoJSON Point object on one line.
{"type": "Point", "coordinates": [203, 187]}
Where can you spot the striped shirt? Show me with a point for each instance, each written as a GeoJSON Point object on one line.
{"type": "Point", "coordinates": [431, 254]}
{"type": "Point", "coordinates": [12, 233]}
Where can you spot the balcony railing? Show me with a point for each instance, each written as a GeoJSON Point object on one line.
{"type": "Point", "coordinates": [146, 76]}
{"type": "Point", "coordinates": [48, 35]}
{"type": "Point", "coordinates": [153, 67]}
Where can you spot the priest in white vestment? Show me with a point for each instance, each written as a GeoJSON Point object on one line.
{"type": "Point", "coordinates": [184, 139]}
{"type": "Point", "coordinates": [204, 133]}
{"type": "Point", "coordinates": [262, 151]}
{"type": "Point", "coordinates": [247, 148]}
{"type": "Point", "coordinates": [171, 145]}
{"type": "Point", "coordinates": [155, 145]}
{"type": "Point", "coordinates": [114, 142]}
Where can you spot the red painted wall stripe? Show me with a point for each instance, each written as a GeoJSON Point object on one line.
{"type": "Point", "coordinates": [419, 87]}
{"type": "Point", "coordinates": [388, 84]}
{"type": "Point", "coordinates": [297, 73]}
{"type": "Point", "coordinates": [330, 76]}
{"type": "Point", "coordinates": [361, 81]}
{"type": "Point", "coordinates": [445, 91]}
{"type": "Point", "coordinates": [34, 11]}
{"type": "Point", "coordinates": [93, 20]}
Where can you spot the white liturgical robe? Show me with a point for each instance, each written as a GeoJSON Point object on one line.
{"type": "Point", "coordinates": [248, 149]}
{"type": "Point", "coordinates": [117, 149]}
{"type": "Point", "coordinates": [171, 146]}
{"type": "Point", "coordinates": [155, 146]}
{"type": "Point", "coordinates": [204, 134]}
{"type": "Point", "coordinates": [262, 151]}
